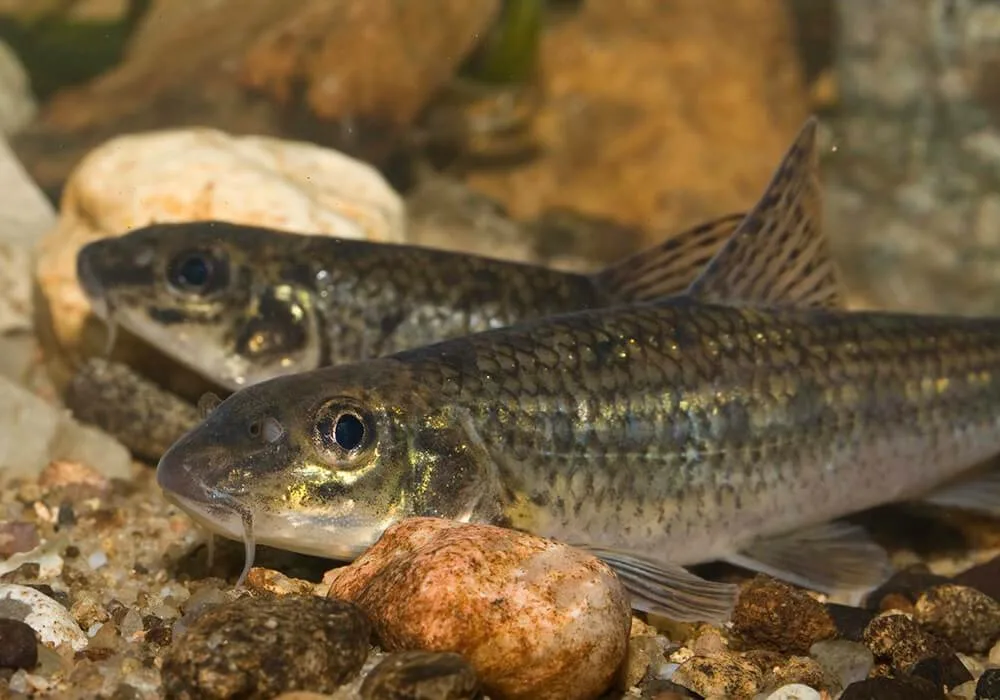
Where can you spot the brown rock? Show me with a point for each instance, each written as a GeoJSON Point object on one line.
{"type": "Point", "coordinates": [637, 121]}
{"type": "Point", "coordinates": [723, 675]}
{"type": "Point", "coordinates": [275, 582]}
{"type": "Point", "coordinates": [968, 619]}
{"type": "Point", "coordinates": [377, 61]}
{"type": "Point", "coordinates": [773, 615]}
{"type": "Point", "coordinates": [536, 619]}
{"type": "Point", "coordinates": [259, 647]}
{"type": "Point", "coordinates": [799, 669]}
{"type": "Point", "coordinates": [898, 639]}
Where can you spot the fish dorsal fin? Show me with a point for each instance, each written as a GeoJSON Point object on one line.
{"type": "Point", "coordinates": [779, 254]}
{"type": "Point", "coordinates": [668, 268]}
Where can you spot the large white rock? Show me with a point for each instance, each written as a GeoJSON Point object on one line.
{"type": "Point", "coordinates": [17, 103]}
{"type": "Point", "coordinates": [197, 174]}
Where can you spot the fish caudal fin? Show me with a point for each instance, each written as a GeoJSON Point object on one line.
{"type": "Point", "coordinates": [779, 254]}
{"type": "Point", "coordinates": [667, 589]}
{"type": "Point", "coordinates": [669, 268]}
{"type": "Point", "coordinates": [977, 493]}
{"type": "Point", "coordinates": [834, 557]}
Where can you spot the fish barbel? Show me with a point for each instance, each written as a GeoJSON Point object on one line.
{"type": "Point", "coordinates": [726, 423]}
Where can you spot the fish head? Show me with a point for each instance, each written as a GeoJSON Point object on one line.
{"type": "Point", "coordinates": [231, 302]}
{"type": "Point", "coordinates": [322, 462]}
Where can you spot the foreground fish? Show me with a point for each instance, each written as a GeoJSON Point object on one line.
{"type": "Point", "coordinates": [240, 304]}
{"type": "Point", "coordinates": [727, 423]}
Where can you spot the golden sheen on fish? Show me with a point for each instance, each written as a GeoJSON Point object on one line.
{"type": "Point", "coordinates": [239, 303]}
{"type": "Point", "coordinates": [726, 423]}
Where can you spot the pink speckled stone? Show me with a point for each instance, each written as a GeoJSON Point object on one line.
{"type": "Point", "coordinates": [536, 619]}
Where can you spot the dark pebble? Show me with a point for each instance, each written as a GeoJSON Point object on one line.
{"type": "Point", "coordinates": [966, 618]}
{"type": "Point", "coordinates": [770, 614]}
{"type": "Point", "coordinates": [850, 621]}
{"type": "Point", "coordinates": [947, 672]}
{"type": "Point", "coordinates": [18, 645]}
{"type": "Point", "coordinates": [421, 675]}
{"type": "Point", "coordinates": [985, 578]}
{"type": "Point", "coordinates": [908, 583]}
{"type": "Point", "coordinates": [988, 687]}
{"type": "Point", "coordinates": [892, 689]}
{"type": "Point", "coordinates": [255, 648]}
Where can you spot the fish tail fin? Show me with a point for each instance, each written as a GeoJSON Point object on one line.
{"type": "Point", "coordinates": [668, 268]}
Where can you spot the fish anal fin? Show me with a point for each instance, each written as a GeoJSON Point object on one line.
{"type": "Point", "coordinates": [667, 589]}
{"type": "Point", "coordinates": [779, 254]}
{"type": "Point", "coordinates": [834, 558]}
{"type": "Point", "coordinates": [669, 268]}
{"type": "Point", "coordinates": [978, 492]}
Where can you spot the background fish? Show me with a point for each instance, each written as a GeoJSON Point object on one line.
{"type": "Point", "coordinates": [728, 423]}
{"type": "Point", "coordinates": [240, 304]}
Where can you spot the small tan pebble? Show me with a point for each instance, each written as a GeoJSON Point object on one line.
{"type": "Point", "coordinates": [642, 629]}
{"type": "Point", "coordinates": [774, 615]}
{"type": "Point", "coordinates": [723, 675]}
{"type": "Point", "coordinates": [994, 657]}
{"type": "Point", "coordinates": [709, 642]}
{"type": "Point", "coordinates": [61, 473]}
{"type": "Point", "coordinates": [968, 619]}
{"type": "Point", "coordinates": [643, 651]}
{"type": "Point", "coordinates": [87, 609]}
{"type": "Point", "coordinates": [896, 601]}
{"type": "Point", "coordinates": [258, 647]}
{"type": "Point", "coordinates": [421, 675]}
{"type": "Point", "coordinates": [800, 670]}
{"type": "Point", "coordinates": [302, 695]}
{"type": "Point", "coordinates": [535, 618]}
{"type": "Point", "coordinates": [270, 581]}
{"type": "Point", "coordinates": [966, 691]}
{"type": "Point", "coordinates": [17, 537]}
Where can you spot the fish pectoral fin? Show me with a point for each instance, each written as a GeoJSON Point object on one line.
{"type": "Point", "coordinates": [780, 254]}
{"type": "Point", "coordinates": [831, 557]}
{"type": "Point", "coordinates": [667, 589]}
{"type": "Point", "coordinates": [670, 267]}
{"type": "Point", "coordinates": [978, 493]}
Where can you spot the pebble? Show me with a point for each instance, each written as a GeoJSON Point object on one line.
{"type": "Point", "coordinates": [906, 584]}
{"type": "Point", "coordinates": [771, 614]}
{"type": "Point", "coordinates": [198, 173]}
{"type": "Point", "coordinates": [798, 670]}
{"type": "Point", "coordinates": [722, 675]}
{"type": "Point", "coordinates": [844, 660]}
{"type": "Point", "coordinates": [535, 618]}
{"type": "Point", "coordinates": [37, 432]}
{"type": "Point", "coordinates": [899, 640]}
{"type": "Point", "coordinates": [965, 617]}
{"type": "Point", "coordinates": [18, 645]}
{"type": "Point", "coordinates": [795, 691]}
{"type": "Point", "coordinates": [988, 687]}
{"type": "Point", "coordinates": [17, 537]}
{"type": "Point", "coordinates": [966, 691]}
{"type": "Point", "coordinates": [421, 675]}
{"type": "Point", "coordinates": [892, 689]}
{"type": "Point", "coordinates": [270, 581]}
{"type": "Point", "coordinates": [984, 577]}
{"type": "Point", "coordinates": [994, 656]}
{"type": "Point", "coordinates": [51, 621]}
{"type": "Point", "coordinates": [258, 647]}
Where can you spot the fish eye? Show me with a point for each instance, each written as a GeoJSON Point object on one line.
{"type": "Point", "coordinates": [196, 271]}
{"type": "Point", "coordinates": [343, 430]}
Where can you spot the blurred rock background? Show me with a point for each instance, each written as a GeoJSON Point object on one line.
{"type": "Point", "coordinates": [569, 132]}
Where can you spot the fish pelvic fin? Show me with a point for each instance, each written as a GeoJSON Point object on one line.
{"type": "Point", "coordinates": [834, 557]}
{"type": "Point", "coordinates": [779, 254]}
{"type": "Point", "coordinates": [669, 268]}
{"type": "Point", "coordinates": [667, 589]}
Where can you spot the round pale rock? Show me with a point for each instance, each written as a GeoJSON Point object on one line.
{"type": "Point", "coordinates": [536, 619]}
{"type": "Point", "coordinates": [196, 174]}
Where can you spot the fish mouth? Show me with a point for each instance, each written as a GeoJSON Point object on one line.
{"type": "Point", "coordinates": [90, 283]}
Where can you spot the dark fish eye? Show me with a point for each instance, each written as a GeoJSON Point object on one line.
{"type": "Point", "coordinates": [345, 431]}
{"type": "Point", "coordinates": [194, 271]}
